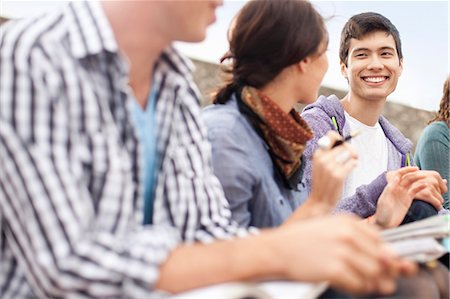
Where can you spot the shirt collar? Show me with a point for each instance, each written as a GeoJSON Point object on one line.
{"type": "Point", "coordinates": [90, 31]}
{"type": "Point", "coordinates": [172, 60]}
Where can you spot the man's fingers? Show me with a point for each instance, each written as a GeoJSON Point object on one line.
{"type": "Point", "coordinates": [432, 177]}
{"type": "Point", "coordinates": [407, 268]}
{"type": "Point", "coordinates": [367, 268]}
{"type": "Point", "coordinates": [437, 195]}
{"type": "Point", "coordinates": [420, 190]}
{"type": "Point", "coordinates": [408, 169]}
{"type": "Point", "coordinates": [398, 175]}
{"type": "Point", "coordinates": [433, 198]}
{"type": "Point", "coordinates": [431, 174]}
{"type": "Point", "coordinates": [443, 185]}
{"type": "Point", "coordinates": [351, 283]}
{"type": "Point", "coordinates": [410, 178]}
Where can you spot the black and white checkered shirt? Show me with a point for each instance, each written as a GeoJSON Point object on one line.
{"type": "Point", "coordinates": [70, 192]}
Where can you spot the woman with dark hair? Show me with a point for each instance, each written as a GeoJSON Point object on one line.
{"type": "Point", "coordinates": [433, 148]}
{"type": "Point", "coordinates": [278, 58]}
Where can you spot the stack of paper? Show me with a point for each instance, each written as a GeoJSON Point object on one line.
{"type": "Point", "coordinates": [422, 240]}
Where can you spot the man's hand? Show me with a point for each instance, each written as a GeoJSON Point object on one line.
{"type": "Point", "coordinates": [435, 187]}
{"type": "Point", "coordinates": [338, 249]}
{"type": "Point", "coordinates": [403, 186]}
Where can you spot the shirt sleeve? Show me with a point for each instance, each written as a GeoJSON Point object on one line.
{"type": "Point", "coordinates": [48, 217]}
{"type": "Point", "coordinates": [364, 202]}
{"type": "Point", "coordinates": [188, 194]}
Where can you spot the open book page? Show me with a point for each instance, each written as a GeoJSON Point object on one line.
{"type": "Point", "coordinates": [437, 226]}
{"type": "Point", "coordinates": [422, 240]}
{"type": "Point", "coordinates": [232, 290]}
{"type": "Point", "coordinates": [262, 290]}
{"type": "Point", "coordinates": [421, 250]}
{"type": "Point", "coordinates": [293, 290]}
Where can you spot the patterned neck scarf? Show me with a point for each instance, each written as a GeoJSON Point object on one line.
{"type": "Point", "coordinates": [285, 133]}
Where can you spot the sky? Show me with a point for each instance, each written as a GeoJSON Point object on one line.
{"type": "Point", "coordinates": [423, 26]}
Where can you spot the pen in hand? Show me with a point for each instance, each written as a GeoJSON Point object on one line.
{"type": "Point", "coordinates": [324, 142]}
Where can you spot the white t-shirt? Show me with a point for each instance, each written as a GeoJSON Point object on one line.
{"type": "Point", "coordinates": [371, 146]}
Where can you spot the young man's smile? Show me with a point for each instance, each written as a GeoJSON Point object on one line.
{"type": "Point", "coordinates": [375, 80]}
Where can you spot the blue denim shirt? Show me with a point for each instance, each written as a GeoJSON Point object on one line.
{"type": "Point", "coordinates": [256, 193]}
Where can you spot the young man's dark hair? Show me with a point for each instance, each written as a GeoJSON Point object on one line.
{"type": "Point", "coordinates": [362, 24]}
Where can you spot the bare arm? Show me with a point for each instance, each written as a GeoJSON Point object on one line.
{"type": "Point", "coordinates": [199, 265]}
{"type": "Point", "coordinates": [306, 251]}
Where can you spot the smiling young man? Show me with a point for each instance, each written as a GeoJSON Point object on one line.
{"type": "Point", "coordinates": [372, 62]}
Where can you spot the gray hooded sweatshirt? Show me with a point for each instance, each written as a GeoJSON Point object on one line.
{"type": "Point", "coordinates": [328, 114]}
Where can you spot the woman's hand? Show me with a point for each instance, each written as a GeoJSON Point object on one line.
{"type": "Point", "coordinates": [330, 167]}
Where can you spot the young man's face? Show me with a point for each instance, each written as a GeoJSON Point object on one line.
{"type": "Point", "coordinates": [373, 66]}
{"type": "Point", "coordinates": [166, 20]}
